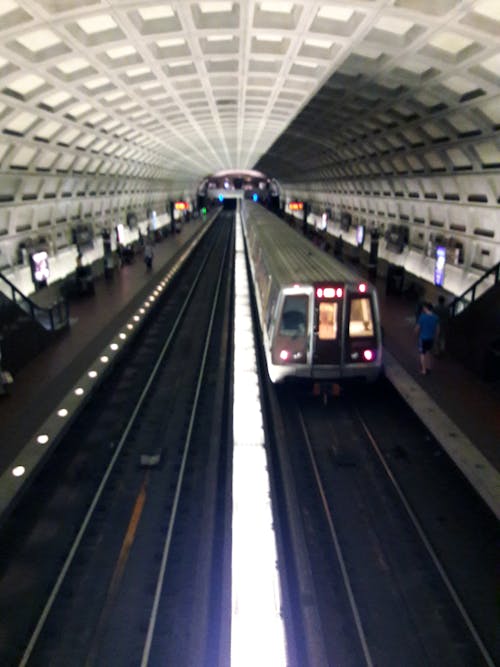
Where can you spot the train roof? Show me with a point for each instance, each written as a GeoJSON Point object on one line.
{"type": "Point", "coordinates": [290, 257]}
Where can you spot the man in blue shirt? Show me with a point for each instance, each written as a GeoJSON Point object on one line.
{"type": "Point", "coordinates": [427, 329]}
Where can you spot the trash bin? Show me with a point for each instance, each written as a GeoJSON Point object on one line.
{"type": "Point", "coordinates": [395, 279]}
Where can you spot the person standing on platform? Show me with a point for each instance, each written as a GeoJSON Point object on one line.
{"type": "Point", "coordinates": [441, 310]}
{"type": "Point", "coordinates": [148, 254]}
{"type": "Point", "coordinates": [427, 329]}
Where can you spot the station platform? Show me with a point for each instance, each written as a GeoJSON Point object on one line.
{"type": "Point", "coordinates": [459, 408]}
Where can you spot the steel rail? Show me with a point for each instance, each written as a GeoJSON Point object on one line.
{"type": "Point", "coordinates": [90, 512]}
{"type": "Point", "coordinates": [427, 544]}
{"type": "Point", "coordinates": [173, 515]}
{"type": "Point", "coordinates": [338, 549]}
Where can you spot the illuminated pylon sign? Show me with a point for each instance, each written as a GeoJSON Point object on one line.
{"type": "Point", "coordinates": [181, 206]}
{"type": "Point", "coordinates": [296, 206]}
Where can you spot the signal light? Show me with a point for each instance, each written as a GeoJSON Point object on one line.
{"type": "Point", "coordinates": [329, 292]}
{"type": "Point", "coordinates": [362, 288]}
{"type": "Point", "coordinates": [368, 355]}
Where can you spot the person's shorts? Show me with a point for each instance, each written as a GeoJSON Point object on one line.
{"type": "Point", "coordinates": [425, 345]}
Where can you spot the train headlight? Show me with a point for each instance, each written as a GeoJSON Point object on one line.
{"type": "Point", "coordinates": [368, 355]}
{"type": "Point", "coordinates": [284, 355]}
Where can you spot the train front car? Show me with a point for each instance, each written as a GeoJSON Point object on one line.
{"type": "Point", "coordinates": [319, 321]}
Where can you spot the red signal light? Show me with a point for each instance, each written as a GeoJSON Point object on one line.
{"type": "Point", "coordinates": [329, 292]}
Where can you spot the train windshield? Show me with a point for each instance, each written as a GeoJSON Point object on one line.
{"type": "Point", "coordinates": [294, 315]}
{"type": "Point", "coordinates": [361, 317]}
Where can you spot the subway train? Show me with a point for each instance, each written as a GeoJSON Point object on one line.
{"type": "Point", "coordinates": [319, 321]}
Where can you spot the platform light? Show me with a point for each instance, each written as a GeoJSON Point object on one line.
{"type": "Point", "coordinates": [114, 346]}
{"type": "Point", "coordinates": [123, 336]}
{"type": "Point", "coordinates": [256, 599]}
{"type": "Point", "coordinates": [42, 439]}
{"type": "Point", "coordinates": [62, 412]}
{"type": "Point", "coordinates": [18, 471]}
{"type": "Point", "coordinates": [136, 318]}
{"type": "Point", "coordinates": [92, 374]}
{"type": "Point", "coordinates": [104, 359]}
{"type": "Point", "coordinates": [79, 391]}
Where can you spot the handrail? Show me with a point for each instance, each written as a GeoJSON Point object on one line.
{"type": "Point", "coordinates": [460, 302]}
{"type": "Point", "coordinates": [56, 316]}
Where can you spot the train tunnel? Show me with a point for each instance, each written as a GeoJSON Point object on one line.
{"type": "Point", "coordinates": [370, 126]}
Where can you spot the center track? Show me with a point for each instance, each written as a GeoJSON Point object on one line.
{"type": "Point", "coordinates": [386, 586]}
{"type": "Point", "coordinates": [115, 555]}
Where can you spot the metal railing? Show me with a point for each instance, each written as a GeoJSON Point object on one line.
{"type": "Point", "coordinates": [52, 318]}
{"type": "Point", "coordinates": [460, 303]}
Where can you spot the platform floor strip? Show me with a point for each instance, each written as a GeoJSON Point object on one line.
{"type": "Point", "coordinates": [476, 468]}
{"type": "Point", "coordinates": [257, 631]}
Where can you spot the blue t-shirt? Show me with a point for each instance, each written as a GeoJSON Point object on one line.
{"type": "Point", "coordinates": [428, 323]}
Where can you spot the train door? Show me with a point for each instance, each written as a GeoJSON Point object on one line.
{"type": "Point", "coordinates": [328, 307]}
{"type": "Point", "coordinates": [362, 334]}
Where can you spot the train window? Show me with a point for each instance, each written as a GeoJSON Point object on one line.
{"type": "Point", "coordinates": [361, 317]}
{"type": "Point", "coordinates": [327, 325]}
{"type": "Point", "coordinates": [294, 315]}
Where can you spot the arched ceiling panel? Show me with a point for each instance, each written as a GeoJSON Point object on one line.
{"type": "Point", "coordinates": [175, 90]}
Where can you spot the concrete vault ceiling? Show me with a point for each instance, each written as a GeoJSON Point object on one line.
{"type": "Point", "coordinates": [302, 90]}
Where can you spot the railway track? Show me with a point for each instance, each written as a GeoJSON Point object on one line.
{"type": "Point", "coordinates": [115, 555]}
{"type": "Point", "coordinates": [363, 483]}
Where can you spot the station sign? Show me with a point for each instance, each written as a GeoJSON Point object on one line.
{"type": "Point", "coordinates": [439, 266]}
{"type": "Point", "coordinates": [40, 267]}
